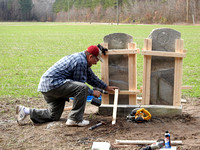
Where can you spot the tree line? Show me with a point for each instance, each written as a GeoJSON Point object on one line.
{"type": "Point", "coordinates": [125, 11]}
{"type": "Point", "coordinates": [16, 10]}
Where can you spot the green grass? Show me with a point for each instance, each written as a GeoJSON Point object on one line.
{"type": "Point", "coordinates": [27, 50]}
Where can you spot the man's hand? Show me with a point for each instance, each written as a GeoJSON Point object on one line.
{"type": "Point", "coordinates": [96, 93]}
{"type": "Point", "coordinates": [111, 88]}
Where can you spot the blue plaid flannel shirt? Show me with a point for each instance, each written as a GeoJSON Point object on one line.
{"type": "Point", "coordinates": [70, 68]}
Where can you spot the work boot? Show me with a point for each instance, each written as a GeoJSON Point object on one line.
{"type": "Point", "coordinates": [74, 123]}
{"type": "Point", "coordinates": [21, 115]}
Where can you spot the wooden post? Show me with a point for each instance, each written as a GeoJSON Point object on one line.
{"type": "Point", "coordinates": [132, 73]}
{"type": "Point", "coordinates": [105, 74]}
{"type": "Point", "coordinates": [178, 74]}
{"type": "Point", "coordinates": [115, 107]}
{"type": "Point", "coordinates": [146, 73]}
{"type": "Point", "coordinates": [187, 9]}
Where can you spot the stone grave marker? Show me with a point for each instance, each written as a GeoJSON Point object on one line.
{"type": "Point", "coordinates": [118, 64]}
{"type": "Point", "coordinates": [162, 68]}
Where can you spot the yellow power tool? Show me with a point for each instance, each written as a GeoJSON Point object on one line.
{"type": "Point", "coordinates": [139, 115]}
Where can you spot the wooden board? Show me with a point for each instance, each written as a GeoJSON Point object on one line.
{"type": "Point", "coordinates": [104, 74]}
{"type": "Point", "coordinates": [123, 51]}
{"type": "Point", "coordinates": [115, 107]}
{"type": "Point", "coordinates": [127, 92]}
{"type": "Point", "coordinates": [163, 54]}
{"type": "Point", "coordinates": [132, 70]}
{"type": "Point", "coordinates": [178, 74]}
{"type": "Point", "coordinates": [146, 73]}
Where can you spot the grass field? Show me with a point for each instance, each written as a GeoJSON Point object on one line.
{"type": "Point", "coordinates": [27, 50]}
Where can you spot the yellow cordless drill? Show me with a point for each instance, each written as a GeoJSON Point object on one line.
{"type": "Point", "coordinates": [139, 115]}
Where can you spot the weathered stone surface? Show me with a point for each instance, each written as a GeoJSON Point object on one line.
{"type": "Point", "coordinates": [118, 64]}
{"type": "Point", "coordinates": [161, 82]}
{"type": "Point", "coordinates": [162, 68]}
{"type": "Point", "coordinates": [118, 40]}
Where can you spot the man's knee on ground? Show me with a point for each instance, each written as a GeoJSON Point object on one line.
{"type": "Point", "coordinates": [55, 117]}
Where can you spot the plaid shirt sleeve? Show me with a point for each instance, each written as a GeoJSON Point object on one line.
{"type": "Point", "coordinates": [93, 80]}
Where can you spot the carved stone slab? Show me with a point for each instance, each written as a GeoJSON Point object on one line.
{"type": "Point", "coordinates": [118, 64]}
{"type": "Point", "coordinates": [162, 68]}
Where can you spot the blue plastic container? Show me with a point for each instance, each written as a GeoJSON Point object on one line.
{"type": "Point", "coordinates": [89, 98]}
{"type": "Point", "coordinates": [167, 140]}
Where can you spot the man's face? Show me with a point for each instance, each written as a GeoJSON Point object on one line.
{"type": "Point", "coordinates": [92, 60]}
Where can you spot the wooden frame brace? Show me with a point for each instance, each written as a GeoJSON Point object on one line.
{"type": "Point", "coordinates": [163, 54]}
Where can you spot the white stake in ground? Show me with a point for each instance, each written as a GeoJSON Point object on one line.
{"type": "Point", "coordinates": [115, 107]}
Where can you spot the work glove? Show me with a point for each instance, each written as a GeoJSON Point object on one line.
{"type": "Point", "coordinates": [102, 49]}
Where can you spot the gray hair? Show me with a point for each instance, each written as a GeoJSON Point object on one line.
{"type": "Point", "coordinates": [87, 53]}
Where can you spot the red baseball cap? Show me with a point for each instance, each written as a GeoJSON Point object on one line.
{"type": "Point", "coordinates": [94, 50]}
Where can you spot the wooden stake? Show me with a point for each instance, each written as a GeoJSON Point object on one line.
{"type": "Point", "coordinates": [115, 107]}
{"type": "Point", "coordinates": [178, 74]}
{"type": "Point", "coordinates": [105, 74]}
{"type": "Point", "coordinates": [146, 73]}
{"type": "Point", "coordinates": [132, 73]}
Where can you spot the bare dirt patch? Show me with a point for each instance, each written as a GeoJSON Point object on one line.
{"type": "Point", "coordinates": [56, 135]}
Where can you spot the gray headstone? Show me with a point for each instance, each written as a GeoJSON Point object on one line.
{"type": "Point", "coordinates": [162, 68]}
{"type": "Point", "coordinates": [118, 64]}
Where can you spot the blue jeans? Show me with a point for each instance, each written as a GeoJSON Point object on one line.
{"type": "Point", "coordinates": [56, 102]}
